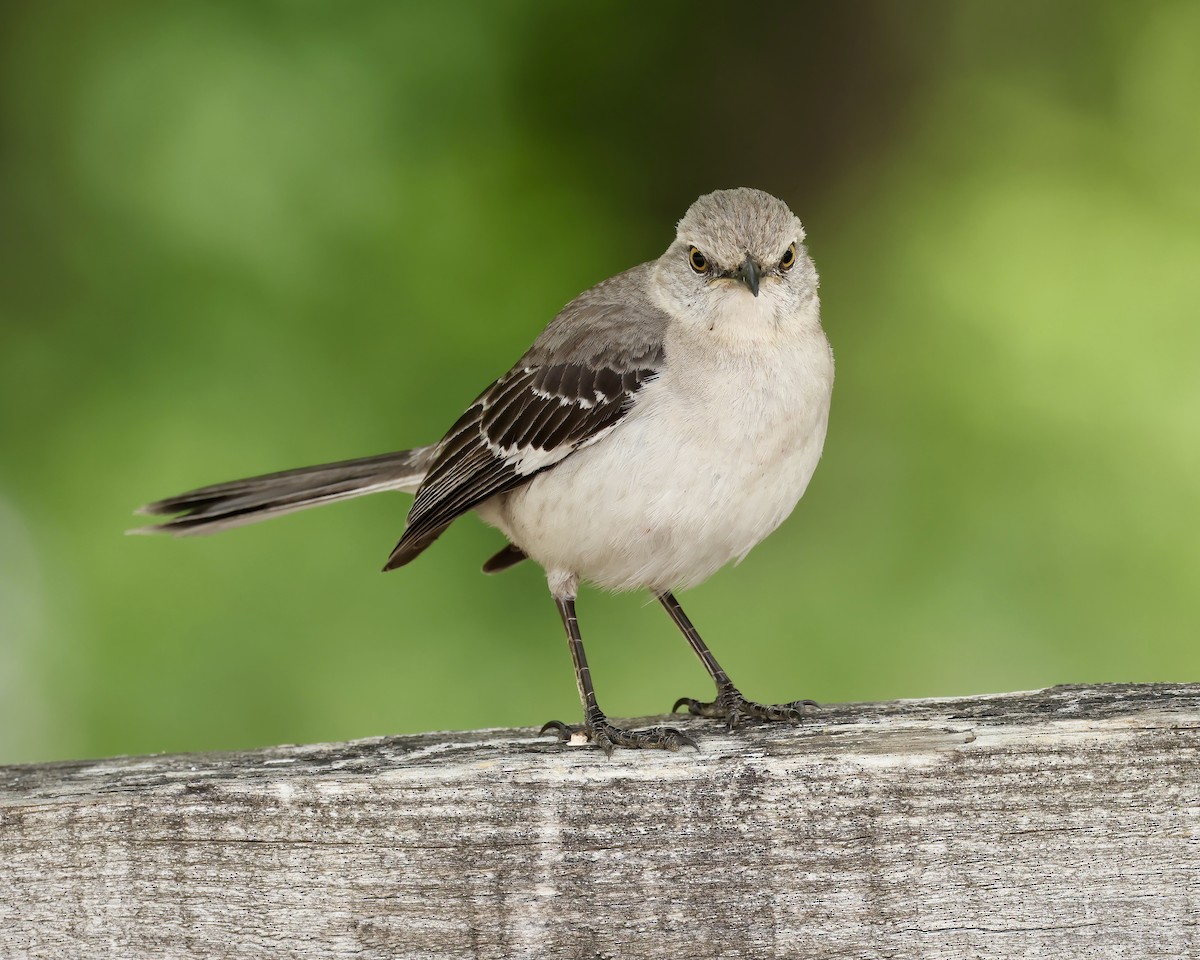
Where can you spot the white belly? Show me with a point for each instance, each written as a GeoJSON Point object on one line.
{"type": "Point", "coordinates": [713, 457]}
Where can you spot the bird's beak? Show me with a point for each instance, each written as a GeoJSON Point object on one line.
{"type": "Point", "coordinates": [748, 274]}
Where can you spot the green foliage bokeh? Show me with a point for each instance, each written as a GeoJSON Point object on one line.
{"type": "Point", "coordinates": [240, 238]}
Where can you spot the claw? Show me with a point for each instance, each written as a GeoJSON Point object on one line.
{"type": "Point", "coordinates": [683, 738]}
{"type": "Point", "coordinates": [564, 732]}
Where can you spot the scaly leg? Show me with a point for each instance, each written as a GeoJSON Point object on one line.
{"type": "Point", "coordinates": [595, 724]}
{"type": "Point", "coordinates": [729, 705]}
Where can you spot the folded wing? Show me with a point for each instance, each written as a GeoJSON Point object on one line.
{"type": "Point", "coordinates": [575, 384]}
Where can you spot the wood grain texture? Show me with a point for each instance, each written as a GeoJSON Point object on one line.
{"type": "Point", "coordinates": [1061, 823]}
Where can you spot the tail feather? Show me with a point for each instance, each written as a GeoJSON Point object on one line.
{"type": "Point", "coordinates": [225, 505]}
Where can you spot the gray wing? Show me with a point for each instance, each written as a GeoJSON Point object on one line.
{"type": "Point", "coordinates": [580, 377]}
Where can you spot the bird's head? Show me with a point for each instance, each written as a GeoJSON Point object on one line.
{"type": "Point", "coordinates": [737, 253]}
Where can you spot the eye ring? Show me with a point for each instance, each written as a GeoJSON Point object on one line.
{"type": "Point", "coordinates": [698, 261]}
{"type": "Point", "coordinates": [788, 260]}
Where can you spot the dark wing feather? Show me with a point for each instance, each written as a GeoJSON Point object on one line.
{"type": "Point", "coordinates": [576, 382]}
{"type": "Point", "coordinates": [509, 436]}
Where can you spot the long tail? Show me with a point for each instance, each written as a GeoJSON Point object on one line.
{"type": "Point", "coordinates": [225, 505]}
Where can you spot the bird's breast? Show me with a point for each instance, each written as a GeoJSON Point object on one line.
{"type": "Point", "coordinates": [713, 457]}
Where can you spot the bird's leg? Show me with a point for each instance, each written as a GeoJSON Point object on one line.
{"type": "Point", "coordinates": [729, 704]}
{"type": "Point", "coordinates": [595, 726]}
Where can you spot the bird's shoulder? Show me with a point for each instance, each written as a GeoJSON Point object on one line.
{"type": "Point", "coordinates": [615, 324]}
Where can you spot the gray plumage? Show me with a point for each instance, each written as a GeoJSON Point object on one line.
{"type": "Point", "coordinates": [663, 423]}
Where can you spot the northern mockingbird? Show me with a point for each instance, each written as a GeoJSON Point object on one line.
{"type": "Point", "coordinates": [664, 423]}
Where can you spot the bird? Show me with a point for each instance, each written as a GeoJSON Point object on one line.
{"type": "Point", "coordinates": [663, 423]}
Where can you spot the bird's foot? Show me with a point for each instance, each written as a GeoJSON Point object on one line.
{"type": "Point", "coordinates": [596, 729]}
{"type": "Point", "coordinates": [735, 709]}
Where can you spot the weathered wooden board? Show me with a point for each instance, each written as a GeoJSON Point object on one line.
{"type": "Point", "coordinates": [1063, 823]}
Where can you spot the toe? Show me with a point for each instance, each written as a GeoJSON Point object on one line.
{"type": "Point", "coordinates": [607, 737]}
{"type": "Point", "coordinates": [562, 731]}
{"type": "Point", "coordinates": [735, 709]}
{"type": "Point", "coordinates": [656, 738]}
{"type": "Point", "coordinates": [716, 710]}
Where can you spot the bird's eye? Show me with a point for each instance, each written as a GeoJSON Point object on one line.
{"type": "Point", "coordinates": [789, 258]}
{"type": "Point", "coordinates": [698, 260]}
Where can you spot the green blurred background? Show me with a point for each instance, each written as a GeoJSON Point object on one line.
{"type": "Point", "coordinates": [243, 237]}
